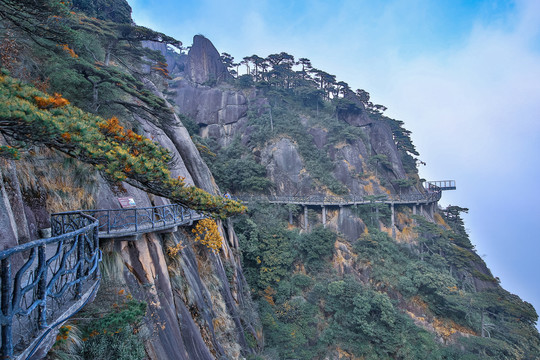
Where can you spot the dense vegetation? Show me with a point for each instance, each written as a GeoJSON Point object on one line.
{"type": "Point", "coordinates": [429, 296]}
{"type": "Point", "coordinates": [309, 308]}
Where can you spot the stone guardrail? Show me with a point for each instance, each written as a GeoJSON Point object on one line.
{"type": "Point", "coordinates": [43, 279]}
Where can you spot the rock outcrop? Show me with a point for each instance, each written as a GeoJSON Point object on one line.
{"type": "Point", "coordinates": [222, 114]}
{"type": "Point", "coordinates": [204, 63]}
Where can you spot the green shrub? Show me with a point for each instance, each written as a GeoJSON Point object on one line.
{"type": "Point", "coordinates": [121, 345]}
{"type": "Point", "coordinates": [316, 248]}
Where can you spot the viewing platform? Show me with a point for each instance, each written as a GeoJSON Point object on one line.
{"type": "Point", "coordinates": [441, 184]}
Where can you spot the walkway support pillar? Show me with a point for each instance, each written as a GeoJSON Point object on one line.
{"type": "Point", "coordinates": [393, 221]}
{"type": "Point", "coordinates": [290, 217]}
{"type": "Point", "coordinates": [306, 224]}
{"type": "Point", "coordinates": [414, 209]}
{"type": "Point", "coordinates": [324, 216]}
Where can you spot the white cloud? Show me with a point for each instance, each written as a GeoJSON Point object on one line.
{"type": "Point", "coordinates": [475, 113]}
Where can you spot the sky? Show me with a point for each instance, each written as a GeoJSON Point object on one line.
{"type": "Point", "coordinates": [463, 75]}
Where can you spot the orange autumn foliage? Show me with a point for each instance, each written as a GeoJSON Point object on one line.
{"type": "Point", "coordinates": [112, 127]}
{"type": "Point", "coordinates": [69, 50]}
{"type": "Point", "coordinates": [207, 233]}
{"type": "Point", "coordinates": [51, 102]}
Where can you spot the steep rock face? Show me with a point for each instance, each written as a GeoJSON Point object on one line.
{"type": "Point", "coordinates": [285, 167]}
{"type": "Point", "coordinates": [177, 135]}
{"type": "Point", "coordinates": [203, 63]}
{"type": "Point", "coordinates": [349, 163]}
{"type": "Point", "coordinates": [383, 143]}
{"type": "Point", "coordinates": [184, 324]}
{"type": "Point", "coordinates": [194, 304]}
{"type": "Point", "coordinates": [355, 115]}
{"type": "Point", "coordinates": [182, 308]}
{"type": "Point", "coordinates": [221, 113]}
{"type": "Point", "coordinates": [9, 234]}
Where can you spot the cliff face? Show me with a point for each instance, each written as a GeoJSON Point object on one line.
{"type": "Point", "coordinates": [198, 302]}
{"type": "Point", "coordinates": [193, 302]}
{"type": "Point", "coordinates": [203, 64]}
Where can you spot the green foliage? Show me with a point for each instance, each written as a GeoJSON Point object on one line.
{"type": "Point", "coordinates": [88, 59]}
{"type": "Point", "coordinates": [380, 159]}
{"type": "Point", "coordinates": [309, 96]}
{"type": "Point", "coordinates": [374, 212]}
{"type": "Point", "coordinates": [290, 328]}
{"type": "Point", "coordinates": [266, 245]}
{"type": "Point", "coordinates": [191, 125]}
{"type": "Point", "coordinates": [9, 152]}
{"type": "Point", "coordinates": [114, 10]}
{"type": "Point", "coordinates": [31, 116]}
{"type": "Point", "coordinates": [366, 323]}
{"type": "Point", "coordinates": [124, 345]}
{"type": "Point", "coordinates": [129, 312]}
{"type": "Point", "coordinates": [114, 336]}
{"type": "Point", "coordinates": [245, 81]}
{"type": "Point", "coordinates": [316, 247]}
{"type": "Point", "coordinates": [302, 281]}
{"type": "Point", "coordinates": [236, 170]}
{"type": "Point", "coordinates": [401, 135]}
{"type": "Point", "coordinates": [365, 318]}
{"type": "Point", "coordinates": [287, 122]}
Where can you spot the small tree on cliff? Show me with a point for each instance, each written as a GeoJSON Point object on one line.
{"type": "Point", "coordinates": [29, 116]}
{"type": "Point", "coordinates": [380, 159]}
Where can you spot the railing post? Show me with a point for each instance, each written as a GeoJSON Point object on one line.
{"type": "Point", "coordinates": [393, 221]}
{"type": "Point", "coordinates": [108, 221]}
{"type": "Point", "coordinates": [42, 287]}
{"type": "Point", "coordinates": [136, 227]}
{"type": "Point", "coordinates": [80, 261]}
{"type": "Point", "coordinates": [95, 241]}
{"type": "Point", "coordinates": [7, 336]}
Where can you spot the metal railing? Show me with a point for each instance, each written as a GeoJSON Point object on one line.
{"type": "Point", "coordinates": [430, 196]}
{"type": "Point", "coordinates": [51, 274]}
{"type": "Point", "coordinates": [441, 185]}
{"type": "Point", "coordinates": [41, 279]}
{"type": "Point", "coordinates": [140, 220]}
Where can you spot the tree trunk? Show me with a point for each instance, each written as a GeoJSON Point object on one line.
{"type": "Point", "coordinates": [482, 324]}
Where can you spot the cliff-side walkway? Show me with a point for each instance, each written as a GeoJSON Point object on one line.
{"type": "Point", "coordinates": [44, 282]}
{"type": "Point", "coordinates": [431, 195]}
